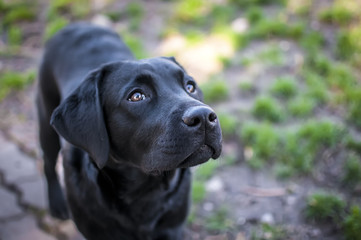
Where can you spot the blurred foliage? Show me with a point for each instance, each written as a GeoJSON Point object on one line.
{"type": "Point", "coordinates": [10, 80]}
{"type": "Point", "coordinates": [323, 206]}
{"type": "Point", "coordinates": [267, 108]}
{"type": "Point", "coordinates": [215, 90]}
{"type": "Point", "coordinates": [352, 224]}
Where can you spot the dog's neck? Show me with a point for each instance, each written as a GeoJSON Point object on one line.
{"type": "Point", "coordinates": [129, 182]}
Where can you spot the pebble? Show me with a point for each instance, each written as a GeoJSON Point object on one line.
{"type": "Point", "coordinates": [215, 184]}
{"type": "Point", "coordinates": [267, 218]}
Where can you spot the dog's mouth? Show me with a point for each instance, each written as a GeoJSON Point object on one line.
{"type": "Point", "coordinates": [201, 155]}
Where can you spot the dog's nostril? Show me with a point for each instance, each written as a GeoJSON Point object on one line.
{"type": "Point", "coordinates": [212, 117]}
{"type": "Point", "coordinates": [191, 121]}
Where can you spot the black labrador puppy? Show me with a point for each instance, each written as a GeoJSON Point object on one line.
{"type": "Point", "coordinates": [132, 129]}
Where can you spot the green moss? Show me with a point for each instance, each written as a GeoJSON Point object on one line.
{"type": "Point", "coordinates": [135, 44]}
{"type": "Point", "coordinates": [228, 124]}
{"type": "Point", "coordinates": [268, 109]}
{"type": "Point", "coordinates": [352, 170]}
{"type": "Point", "coordinates": [263, 139]}
{"type": "Point", "coordinates": [353, 106]}
{"type": "Point", "coordinates": [285, 87]}
{"type": "Point", "coordinates": [198, 191]}
{"type": "Point", "coordinates": [338, 13]}
{"type": "Point", "coordinates": [322, 133]}
{"type": "Point", "coordinates": [272, 55]}
{"type": "Point", "coordinates": [219, 220]}
{"type": "Point", "coordinates": [283, 171]}
{"type": "Point", "coordinates": [266, 28]}
{"type": "Point", "coordinates": [135, 12]}
{"type": "Point", "coordinates": [270, 232]}
{"type": "Point", "coordinates": [312, 42]}
{"type": "Point", "coordinates": [206, 170]}
{"type": "Point", "coordinates": [348, 46]}
{"type": "Point", "coordinates": [251, 3]}
{"type": "Point", "coordinates": [215, 90]}
{"type": "Point", "coordinates": [77, 8]}
{"type": "Point", "coordinates": [296, 155]}
{"type": "Point", "coordinates": [54, 26]}
{"type": "Point", "coordinates": [319, 64]}
{"type": "Point", "coordinates": [352, 224]}
{"type": "Point", "coordinates": [301, 106]}
{"type": "Point", "coordinates": [114, 15]}
{"type": "Point", "coordinates": [194, 36]}
{"type": "Point", "coordinates": [14, 35]}
{"type": "Point", "coordinates": [316, 87]}
{"type": "Point", "coordinates": [19, 12]}
{"type": "Point", "coordinates": [324, 206]}
{"type": "Point", "coordinates": [222, 14]}
{"type": "Point", "coordinates": [190, 10]}
{"type": "Point", "coordinates": [10, 80]}
{"type": "Point", "coordinates": [254, 14]}
{"type": "Point", "coordinates": [246, 86]}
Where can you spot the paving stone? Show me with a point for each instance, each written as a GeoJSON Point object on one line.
{"type": "Point", "coordinates": [23, 229]}
{"type": "Point", "coordinates": [34, 193]}
{"type": "Point", "coordinates": [8, 206]}
{"type": "Point", "coordinates": [15, 165]}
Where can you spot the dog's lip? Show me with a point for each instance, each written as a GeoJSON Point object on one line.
{"type": "Point", "coordinates": [205, 151]}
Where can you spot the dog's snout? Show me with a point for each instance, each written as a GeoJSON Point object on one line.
{"type": "Point", "coordinates": [197, 116]}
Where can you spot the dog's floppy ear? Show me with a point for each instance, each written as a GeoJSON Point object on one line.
{"type": "Point", "coordinates": [79, 119]}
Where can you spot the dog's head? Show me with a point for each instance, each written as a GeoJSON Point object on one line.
{"type": "Point", "coordinates": [147, 113]}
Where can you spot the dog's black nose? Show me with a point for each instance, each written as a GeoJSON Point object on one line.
{"type": "Point", "coordinates": [198, 116]}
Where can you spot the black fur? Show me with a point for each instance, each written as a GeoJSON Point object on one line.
{"type": "Point", "coordinates": [126, 162]}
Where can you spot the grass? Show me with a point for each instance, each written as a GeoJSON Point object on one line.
{"type": "Point", "coordinates": [341, 12]}
{"type": "Point", "coordinates": [16, 12]}
{"type": "Point", "coordinates": [135, 45]}
{"type": "Point", "coordinates": [76, 8]}
{"type": "Point", "coordinates": [272, 55]}
{"type": "Point", "coordinates": [266, 108]}
{"type": "Point", "coordinates": [352, 224]}
{"type": "Point", "coordinates": [324, 206]}
{"type": "Point", "coordinates": [206, 170]}
{"type": "Point", "coordinates": [301, 106]}
{"type": "Point", "coordinates": [251, 3]}
{"type": "Point", "coordinates": [353, 106]}
{"type": "Point", "coordinates": [270, 232]}
{"type": "Point", "coordinates": [352, 170]}
{"type": "Point", "coordinates": [190, 10]}
{"type": "Point", "coordinates": [215, 90]}
{"type": "Point", "coordinates": [15, 35]}
{"type": "Point", "coordinates": [198, 191]}
{"type": "Point", "coordinates": [134, 12]}
{"type": "Point", "coordinates": [284, 87]}
{"type": "Point", "coordinates": [10, 80]}
{"type": "Point", "coordinates": [262, 139]}
{"type": "Point", "coordinates": [219, 220]}
{"type": "Point", "coordinates": [54, 26]}
{"type": "Point", "coordinates": [228, 124]}
{"type": "Point", "coordinates": [322, 133]}
{"type": "Point", "coordinates": [268, 28]}
{"type": "Point", "coordinates": [254, 14]}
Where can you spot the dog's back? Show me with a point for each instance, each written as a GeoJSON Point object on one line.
{"type": "Point", "coordinates": [78, 49]}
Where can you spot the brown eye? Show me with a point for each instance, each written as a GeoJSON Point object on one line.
{"type": "Point", "coordinates": [136, 97]}
{"type": "Point", "coordinates": [191, 88]}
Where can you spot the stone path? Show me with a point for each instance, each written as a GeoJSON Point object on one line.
{"type": "Point", "coordinates": [23, 199]}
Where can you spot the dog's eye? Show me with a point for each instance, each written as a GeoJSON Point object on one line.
{"type": "Point", "coordinates": [191, 88]}
{"type": "Point", "coordinates": [136, 97]}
